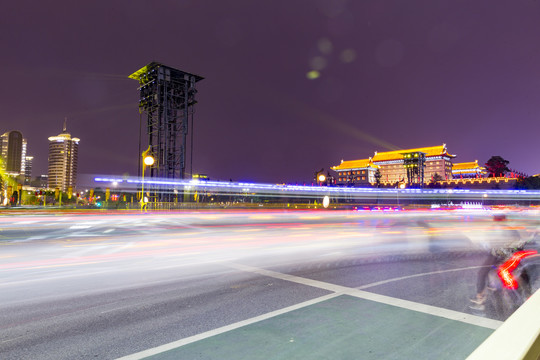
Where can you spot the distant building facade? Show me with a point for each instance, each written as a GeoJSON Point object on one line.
{"type": "Point", "coordinates": [391, 166]}
{"type": "Point", "coordinates": [468, 170]}
{"type": "Point", "coordinates": [13, 151]}
{"type": "Point", "coordinates": [356, 172]}
{"type": "Point", "coordinates": [29, 161]}
{"type": "Point", "coordinates": [63, 161]}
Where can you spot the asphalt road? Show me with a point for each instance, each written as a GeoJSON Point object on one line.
{"type": "Point", "coordinates": [108, 285]}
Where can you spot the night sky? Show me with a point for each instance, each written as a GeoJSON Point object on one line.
{"type": "Point", "coordinates": [393, 74]}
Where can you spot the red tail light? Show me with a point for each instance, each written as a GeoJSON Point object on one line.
{"type": "Point", "coordinates": [505, 270]}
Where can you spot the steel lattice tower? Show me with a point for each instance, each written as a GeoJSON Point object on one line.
{"type": "Point", "coordinates": [415, 162]}
{"type": "Point", "coordinates": [167, 98]}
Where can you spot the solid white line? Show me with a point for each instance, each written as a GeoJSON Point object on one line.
{"type": "Point", "coordinates": [409, 305]}
{"type": "Point", "coordinates": [194, 338]}
{"type": "Point", "coordinates": [337, 290]}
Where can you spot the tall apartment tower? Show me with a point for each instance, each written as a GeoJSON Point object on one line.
{"type": "Point", "coordinates": [63, 158]}
{"type": "Point", "coordinates": [13, 151]}
{"type": "Point", "coordinates": [29, 160]}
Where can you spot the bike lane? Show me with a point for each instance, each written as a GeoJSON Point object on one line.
{"type": "Point", "coordinates": [347, 324]}
{"type": "Point", "coordinates": [343, 327]}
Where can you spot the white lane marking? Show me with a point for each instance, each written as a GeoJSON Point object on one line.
{"type": "Point", "coordinates": [416, 275]}
{"type": "Point", "coordinates": [409, 305]}
{"type": "Point", "coordinates": [80, 227]}
{"type": "Point", "coordinates": [39, 237]}
{"type": "Point", "coordinates": [223, 329]}
{"type": "Point", "coordinates": [8, 340]}
{"type": "Point", "coordinates": [108, 231]}
{"type": "Point", "coordinates": [26, 222]}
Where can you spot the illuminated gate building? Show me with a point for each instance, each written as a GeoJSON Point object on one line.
{"type": "Point", "coordinates": [468, 170]}
{"type": "Point", "coordinates": [398, 166]}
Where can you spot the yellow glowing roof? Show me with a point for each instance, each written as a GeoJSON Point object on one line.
{"type": "Point", "coordinates": [354, 164]}
{"type": "Point", "coordinates": [137, 74]}
{"type": "Point", "coordinates": [466, 165]}
{"type": "Point", "coordinates": [62, 137]}
{"type": "Point", "coordinates": [439, 150]}
{"type": "Point", "coordinates": [154, 65]}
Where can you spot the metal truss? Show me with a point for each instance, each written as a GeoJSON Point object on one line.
{"type": "Point", "coordinates": [167, 98]}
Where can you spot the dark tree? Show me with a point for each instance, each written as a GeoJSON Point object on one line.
{"type": "Point", "coordinates": [496, 166]}
{"type": "Point", "coordinates": [437, 177]}
{"type": "Point", "coordinates": [378, 177]}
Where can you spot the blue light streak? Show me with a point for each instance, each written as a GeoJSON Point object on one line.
{"type": "Point", "coordinates": [291, 190]}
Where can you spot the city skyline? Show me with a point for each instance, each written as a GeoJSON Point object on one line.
{"type": "Point", "coordinates": [335, 80]}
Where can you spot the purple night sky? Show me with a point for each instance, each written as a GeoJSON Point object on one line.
{"type": "Point", "coordinates": [393, 74]}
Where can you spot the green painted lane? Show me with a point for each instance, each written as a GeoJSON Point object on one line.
{"type": "Point", "coordinates": [344, 327]}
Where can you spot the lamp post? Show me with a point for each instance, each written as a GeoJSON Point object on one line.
{"type": "Point", "coordinates": [148, 160]}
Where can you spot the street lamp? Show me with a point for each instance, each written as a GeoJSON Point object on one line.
{"type": "Point", "coordinates": [148, 160]}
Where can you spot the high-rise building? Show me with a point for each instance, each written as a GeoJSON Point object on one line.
{"type": "Point", "coordinates": [13, 151]}
{"type": "Point", "coordinates": [29, 160]}
{"type": "Point", "coordinates": [63, 158]}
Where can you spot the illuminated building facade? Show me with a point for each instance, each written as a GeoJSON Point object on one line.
{"type": "Point", "coordinates": [63, 159]}
{"type": "Point", "coordinates": [392, 167]}
{"type": "Point", "coordinates": [468, 170]}
{"type": "Point", "coordinates": [13, 151]}
{"type": "Point", "coordinates": [356, 172]}
{"type": "Point", "coordinates": [29, 160]}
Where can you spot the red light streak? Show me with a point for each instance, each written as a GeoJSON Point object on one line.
{"type": "Point", "coordinates": [505, 270]}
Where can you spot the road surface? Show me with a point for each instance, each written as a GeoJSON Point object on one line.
{"type": "Point", "coordinates": [241, 284]}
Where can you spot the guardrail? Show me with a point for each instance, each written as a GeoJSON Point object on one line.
{"type": "Point", "coordinates": [517, 338]}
